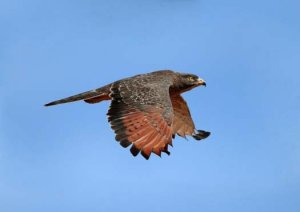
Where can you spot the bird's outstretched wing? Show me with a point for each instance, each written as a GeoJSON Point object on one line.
{"type": "Point", "coordinates": [141, 115]}
{"type": "Point", "coordinates": [183, 123]}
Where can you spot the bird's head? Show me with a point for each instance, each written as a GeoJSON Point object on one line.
{"type": "Point", "coordinates": [185, 82]}
{"type": "Point", "coordinates": [192, 80]}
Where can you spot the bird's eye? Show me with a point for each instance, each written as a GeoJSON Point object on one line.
{"type": "Point", "coordinates": [191, 78]}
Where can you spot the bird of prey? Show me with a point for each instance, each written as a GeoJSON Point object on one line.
{"type": "Point", "coordinates": [147, 110]}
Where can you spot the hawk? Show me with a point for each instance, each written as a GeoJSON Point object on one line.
{"type": "Point", "coordinates": [147, 110]}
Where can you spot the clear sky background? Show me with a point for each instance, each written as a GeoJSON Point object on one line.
{"type": "Point", "coordinates": [65, 158]}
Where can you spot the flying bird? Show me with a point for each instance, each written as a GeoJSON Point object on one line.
{"type": "Point", "coordinates": [147, 110]}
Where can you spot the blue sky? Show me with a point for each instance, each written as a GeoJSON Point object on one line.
{"type": "Point", "coordinates": [65, 158]}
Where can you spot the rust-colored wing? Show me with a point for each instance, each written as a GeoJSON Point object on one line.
{"type": "Point", "coordinates": [142, 117]}
{"type": "Point", "coordinates": [183, 124]}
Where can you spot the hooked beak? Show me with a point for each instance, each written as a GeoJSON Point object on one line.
{"type": "Point", "coordinates": [201, 82]}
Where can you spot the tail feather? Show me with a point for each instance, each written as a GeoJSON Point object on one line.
{"type": "Point", "coordinates": [91, 96]}
{"type": "Point", "coordinates": [81, 96]}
